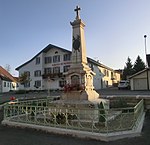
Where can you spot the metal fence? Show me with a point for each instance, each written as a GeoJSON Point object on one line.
{"type": "Point", "coordinates": [41, 112]}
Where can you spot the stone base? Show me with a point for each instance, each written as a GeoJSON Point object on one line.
{"type": "Point", "coordinates": [87, 110]}
{"type": "Point", "coordinates": [90, 95]}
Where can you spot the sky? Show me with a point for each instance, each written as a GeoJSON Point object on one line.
{"type": "Point", "coordinates": [114, 29]}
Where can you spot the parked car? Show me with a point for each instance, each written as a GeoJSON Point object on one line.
{"type": "Point", "coordinates": [124, 84]}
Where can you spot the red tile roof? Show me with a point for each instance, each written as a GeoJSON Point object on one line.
{"type": "Point", "coordinates": [6, 75]}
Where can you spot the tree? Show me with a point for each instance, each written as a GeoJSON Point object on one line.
{"type": "Point", "coordinates": [138, 65]}
{"type": "Point", "coordinates": [128, 69]}
{"type": "Point", "coordinates": [8, 68]}
{"type": "Point", "coordinates": [24, 78]}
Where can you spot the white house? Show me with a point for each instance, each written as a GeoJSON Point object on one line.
{"type": "Point", "coordinates": [140, 80]}
{"type": "Point", "coordinates": [46, 70]}
{"type": "Point", "coordinates": [105, 76]}
{"type": "Point", "coordinates": [7, 81]}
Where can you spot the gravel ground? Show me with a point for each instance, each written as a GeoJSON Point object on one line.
{"type": "Point", "coordinates": [18, 136]}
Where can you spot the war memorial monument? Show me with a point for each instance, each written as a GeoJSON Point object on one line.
{"type": "Point", "coordinates": [80, 111]}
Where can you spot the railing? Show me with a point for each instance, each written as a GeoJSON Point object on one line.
{"type": "Point", "coordinates": [138, 112]}
{"type": "Point", "coordinates": [41, 112]}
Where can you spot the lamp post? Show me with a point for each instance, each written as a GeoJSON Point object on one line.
{"type": "Point", "coordinates": [145, 36]}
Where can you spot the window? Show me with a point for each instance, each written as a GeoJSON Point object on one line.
{"type": "Point", "coordinates": [56, 70]}
{"type": "Point", "coordinates": [13, 86]}
{"type": "Point", "coordinates": [27, 84]}
{"type": "Point", "coordinates": [48, 59]}
{"type": "Point", "coordinates": [7, 84]}
{"type": "Point", "coordinates": [48, 70]}
{"type": "Point", "coordinates": [66, 68]}
{"type": "Point", "coordinates": [67, 57]}
{"type": "Point", "coordinates": [37, 60]}
{"type": "Point", "coordinates": [37, 84]}
{"type": "Point", "coordinates": [56, 58]}
{"type": "Point", "coordinates": [4, 84]}
{"type": "Point", "coordinates": [37, 73]}
{"type": "Point", "coordinates": [62, 83]}
{"type": "Point", "coordinates": [112, 75]}
{"type": "Point", "coordinates": [107, 73]}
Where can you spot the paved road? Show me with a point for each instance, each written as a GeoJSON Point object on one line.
{"type": "Point", "coordinates": [114, 91]}
{"type": "Point", "coordinates": [103, 93]}
{"type": "Point", "coordinates": [17, 136]}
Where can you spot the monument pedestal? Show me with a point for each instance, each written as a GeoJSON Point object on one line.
{"type": "Point", "coordinates": [80, 95]}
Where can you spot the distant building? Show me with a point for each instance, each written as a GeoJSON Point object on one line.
{"type": "Point", "coordinates": [46, 70]}
{"type": "Point", "coordinates": [140, 80]}
{"type": "Point", "coordinates": [7, 81]}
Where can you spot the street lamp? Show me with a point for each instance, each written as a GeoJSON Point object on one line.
{"type": "Point", "coordinates": [145, 36]}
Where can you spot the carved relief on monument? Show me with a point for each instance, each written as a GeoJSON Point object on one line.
{"type": "Point", "coordinates": [76, 47]}
{"type": "Point", "coordinates": [76, 43]}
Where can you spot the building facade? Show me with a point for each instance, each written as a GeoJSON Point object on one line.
{"type": "Point", "coordinates": [7, 81]}
{"type": "Point", "coordinates": [46, 70]}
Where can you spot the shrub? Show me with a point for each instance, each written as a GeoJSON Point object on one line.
{"type": "Point", "coordinates": [101, 112]}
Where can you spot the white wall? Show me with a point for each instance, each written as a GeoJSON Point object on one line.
{"type": "Point", "coordinates": [31, 67]}
{"type": "Point", "coordinates": [97, 78]}
{"type": "Point", "coordinates": [6, 88]}
{"type": "Point", "coordinates": [100, 80]}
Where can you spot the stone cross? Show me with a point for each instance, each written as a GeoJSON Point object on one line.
{"type": "Point", "coordinates": [77, 9]}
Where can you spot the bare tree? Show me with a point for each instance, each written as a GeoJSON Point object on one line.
{"type": "Point", "coordinates": [8, 68]}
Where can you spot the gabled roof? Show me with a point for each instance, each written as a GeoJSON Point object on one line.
{"type": "Point", "coordinates": [99, 64]}
{"type": "Point", "coordinates": [50, 46]}
{"type": "Point", "coordinates": [5, 75]}
{"type": "Point", "coordinates": [140, 72]}
{"type": "Point", "coordinates": [45, 50]}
